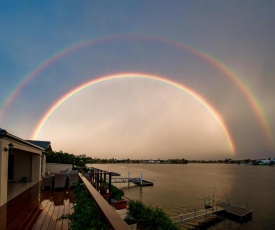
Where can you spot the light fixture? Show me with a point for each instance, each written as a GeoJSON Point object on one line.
{"type": "Point", "coordinates": [9, 148]}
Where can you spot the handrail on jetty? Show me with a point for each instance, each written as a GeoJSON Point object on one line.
{"type": "Point", "coordinates": [114, 220]}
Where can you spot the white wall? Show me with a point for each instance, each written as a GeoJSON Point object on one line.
{"type": "Point", "coordinates": [26, 164]}
{"type": "Point", "coordinates": [22, 165]}
{"type": "Point", "coordinates": [55, 167]}
{"type": "Point", "coordinates": [36, 168]}
{"type": "Point", "coordinates": [43, 164]}
{"type": "Point", "coordinates": [3, 172]}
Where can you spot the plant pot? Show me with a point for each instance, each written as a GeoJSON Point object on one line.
{"type": "Point", "coordinates": [106, 195]}
{"type": "Point", "coordinates": [103, 190]}
{"type": "Point", "coordinates": [120, 204]}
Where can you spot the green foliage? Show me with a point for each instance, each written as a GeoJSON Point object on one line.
{"type": "Point", "coordinates": [65, 158]}
{"type": "Point", "coordinates": [150, 217]}
{"type": "Point", "coordinates": [86, 214]}
{"type": "Point", "coordinates": [116, 193]}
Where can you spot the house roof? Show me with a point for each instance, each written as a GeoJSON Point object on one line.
{"type": "Point", "coordinates": [43, 144]}
{"type": "Point", "coordinates": [3, 132]}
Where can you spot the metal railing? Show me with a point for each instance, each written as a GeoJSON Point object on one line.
{"type": "Point", "coordinates": [196, 212]}
{"type": "Point", "coordinates": [109, 214]}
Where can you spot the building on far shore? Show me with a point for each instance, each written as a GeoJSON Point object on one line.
{"type": "Point", "coordinates": [267, 162]}
{"type": "Point", "coordinates": [20, 162]}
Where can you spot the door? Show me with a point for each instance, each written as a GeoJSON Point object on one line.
{"type": "Point", "coordinates": [11, 167]}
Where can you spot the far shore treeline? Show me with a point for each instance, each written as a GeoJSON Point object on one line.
{"type": "Point", "coordinates": [81, 160]}
{"type": "Point", "coordinates": [66, 158]}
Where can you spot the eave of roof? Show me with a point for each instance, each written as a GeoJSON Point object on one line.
{"type": "Point", "coordinates": [5, 134]}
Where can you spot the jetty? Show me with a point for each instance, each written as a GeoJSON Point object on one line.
{"type": "Point", "coordinates": [198, 217]}
{"type": "Point", "coordinates": [136, 181]}
{"type": "Point", "coordinates": [140, 182]}
{"type": "Point", "coordinates": [97, 176]}
{"type": "Point", "coordinates": [235, 212]}
{"type": "Point", "coordinates": [203, 216]}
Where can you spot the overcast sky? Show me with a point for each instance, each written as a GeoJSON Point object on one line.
{"type": "Point", "coordinates": [222, 52]}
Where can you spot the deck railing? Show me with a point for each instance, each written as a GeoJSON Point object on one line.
{"type": "Point", "coordinates": [109, 214]}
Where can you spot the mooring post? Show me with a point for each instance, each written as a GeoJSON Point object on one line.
{"type": "Point", "coordinates": [128, 179]}
{"type": "Point", "coordinates": [181, 216]}
{"type": "Point", "coordinates": [141, 179]}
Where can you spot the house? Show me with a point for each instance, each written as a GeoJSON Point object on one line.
{"type": "Point", "coordinates": [20, 162]}
{"type": "Point", "coordinates": [46, 145]}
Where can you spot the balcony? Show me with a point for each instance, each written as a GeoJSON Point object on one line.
{"type": "Point", "coordinates": [35, 209]}
{"type": "Point", "coordinates": [40, 209]}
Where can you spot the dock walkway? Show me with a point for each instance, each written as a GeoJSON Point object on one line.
{"type": "Point", "coordinates": [136, 181]}
{"type": "Point", "coordinates": [199, 217]}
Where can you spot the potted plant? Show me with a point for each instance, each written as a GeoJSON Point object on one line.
{"type": "Point", "coordinates": [103, 187]}
{"type": "Point", "coordinates": [117, 195]}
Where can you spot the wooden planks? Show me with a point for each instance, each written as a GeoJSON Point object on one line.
{"type": "Point", "coordinates": [14, 214]}
{"type": "Point", "coordinates": [36, 209]}
{"type": "Point", "coordinates": [59, 204]}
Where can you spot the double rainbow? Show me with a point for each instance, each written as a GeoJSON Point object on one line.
{"type": "Point", "coordinates": [250, 98]}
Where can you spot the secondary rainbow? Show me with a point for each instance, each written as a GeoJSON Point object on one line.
{"type": "Point", "coordinates": [194, 94]}
{"type": "Point", "coordinates": [251, 99]}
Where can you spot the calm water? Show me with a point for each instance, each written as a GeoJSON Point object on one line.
{"type": "Point", "coordinates": [180, 186]}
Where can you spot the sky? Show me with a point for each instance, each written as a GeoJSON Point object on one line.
{"type": "Point", "coordinates": [140, 79]}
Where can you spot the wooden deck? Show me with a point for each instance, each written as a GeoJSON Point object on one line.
{"type": "Point", "coordinates": [36, 209]}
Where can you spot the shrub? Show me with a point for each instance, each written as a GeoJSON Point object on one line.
{"type": "Point", "coordinates": [116, 193]}
{"type": "Point", "coordinates": [86, 214]}
{"type": "Point", "coordinates": [151, 218]}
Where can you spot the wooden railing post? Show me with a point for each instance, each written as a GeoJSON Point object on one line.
{"type": "Point", "coordinates": [97, 180]}
{"type": "Point", "coordinates": [104, 176]}
{"type": "Point", "coordinates": [100, 176]}
{"type": "Point", "coordinates": [109, 214]}
{"type": "Point", "coordinates": [110, 187]}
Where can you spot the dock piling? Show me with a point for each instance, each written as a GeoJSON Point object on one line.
{"type": "Point", "coordinates": [129, 179]}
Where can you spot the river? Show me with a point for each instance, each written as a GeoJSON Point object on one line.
{"type": "Point", "coordinates": [179, 186]}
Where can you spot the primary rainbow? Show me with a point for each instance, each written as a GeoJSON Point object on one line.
{"type": "Point", "coordinates": [251, 99]}
{"type": "Point", "coordinates": [194, 94]}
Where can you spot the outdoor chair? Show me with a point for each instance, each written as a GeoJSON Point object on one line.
{"type": "Point", "coordinates": [59, 181]}
{"type": "Point", "coordinates": [64, 171]}
{"type": "Point", "coordinates": [74, 172]}
{"type": "Point", "coordinates": [73, 179]}
{"type": "Point", "coordinates": [46, 182]}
